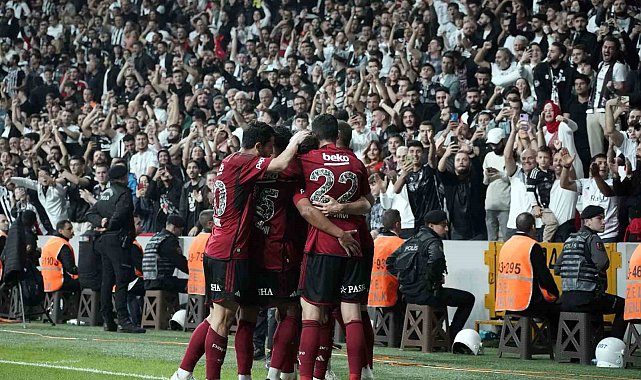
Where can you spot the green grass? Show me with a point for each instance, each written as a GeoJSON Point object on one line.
{"type": "Point", "coordinates": [157, 354]}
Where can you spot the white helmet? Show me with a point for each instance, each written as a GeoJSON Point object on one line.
{"type": "Point", "coordinates": [467, 341]}
{"type": "Point", "coordinates": [177, 321]}
{"type": "Point", "coordinates": [609, 353]}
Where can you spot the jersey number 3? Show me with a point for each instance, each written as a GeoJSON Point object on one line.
{"type": "Point", "coordinates": [319, 195]}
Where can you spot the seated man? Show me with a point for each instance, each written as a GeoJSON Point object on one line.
{"type": "Point", "coordinates": [524, 283]}
{"type": "Point", "coordinates": [420, 266]}
{"type": "Point", "coordinates": [582, 267]}
{"type": "Point", "coordinates": [57, 262]}
{"type": "Point", "coordinates": [383, 291]}
{"type": "Point", "coordinates": [163, 254]}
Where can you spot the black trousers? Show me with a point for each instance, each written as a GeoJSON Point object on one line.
{"type": "Point", "coordinates": [600, 305]}
{"type": "Point", "coordinates": [117, 269]}
{"type": "Point", "coordinates": [544, 309]}
{"type": "Point", "coordinates": [460, 299]}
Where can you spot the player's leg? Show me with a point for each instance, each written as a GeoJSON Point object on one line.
{"type": "Point", "coordinates": [243, 341]}
{"type": "Point", "coordinates": [284, 335]}
{"type": "Point", "coordinates": [355, 289]}
{"type": "Point", "coordinates": [368, 331]}
{"type": "Point", "coordinates": [220, 319]}
{"type": "Point", "coordinates": [309, 338]}
{"type": "Point", "coordinates": [325, 345]}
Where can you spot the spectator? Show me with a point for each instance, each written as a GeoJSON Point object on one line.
{"type": "Point", "coordinates": [192, 199]}
{"type": "Point", "coordinates": [497, 198]}
{"type": "Point", "coordinates": [464, 194]}
{"type": "Point", "coordinates": [557, 133]}
{"type": "Point", "coordinates": [373, 157]}
{"type": "Point", "coordinates": [420, 180]}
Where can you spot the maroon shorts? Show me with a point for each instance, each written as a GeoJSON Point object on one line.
{"type": "Point", "coordinates": [328, 280]}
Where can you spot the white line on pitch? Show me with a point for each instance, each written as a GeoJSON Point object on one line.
{"type": "Point", "coordinates": [89, 370]}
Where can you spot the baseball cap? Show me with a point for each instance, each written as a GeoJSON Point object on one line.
{"type": "Point", "coordinates": [495, 135]}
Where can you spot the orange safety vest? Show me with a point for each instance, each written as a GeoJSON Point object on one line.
{"type": "Point", "coordinates": [633, 288]}
{"type": "Point", "coordinates": [50, 266]}
{"type": "Point", "coordinates": [515, 275]}
{"type": "Point", "coordinates": [137, 271]}
{"type": "Point", "coordinates": [196, 282]}
{"type": "Point", "coordinates": [383, 289]}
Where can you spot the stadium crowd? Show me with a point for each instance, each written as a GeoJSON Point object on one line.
{"type": "Point", "coordinates": [168, 88]}
{"type": "Point", "coordinates": [482, 109]}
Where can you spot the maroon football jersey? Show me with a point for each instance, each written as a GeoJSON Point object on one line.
{"type": "Point", "coordinates": [337, 173]}
{"type": "Point", "coordinates": [233, 205]}
{"type": "Point", "coordinates": [275, 222]}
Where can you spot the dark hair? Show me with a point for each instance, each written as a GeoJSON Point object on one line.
{"type": "Point", "coordinates": [61, 224]}
{"type": "Point", "coordinates": [128, 137]}
{"type": "Point", "coordinates": [273, 115]}
{"type": "Point", "coordinates": [257, 132]}
{"type": "Point", "coordinates": [282, 137]}
{"type": "Point", "coordinates": [77, 158]}
{"type": "Point", "coordinates": [390, 217]}
{"type": "Point", "coordinates": [525, 221]}
{"type": "Point", "coordinates": [545, 149]}
{"type": "Point", "coordinates": [325, 126]}
{"type": "Point", "coordinates": [344, 133]}
{"type": "Point", "coordinates": [561, 47]}
{"type": "Point", "coordinates": [414, 144]}
{"type": "Point", "coordinates": [597, 156]}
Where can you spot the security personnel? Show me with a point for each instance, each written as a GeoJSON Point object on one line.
{"type": "Point", "coordinates": [422, 282]}
{"type": "Point", "coordinates": [112, 216]}
{"type": "Point", "coordinates": [524, 283]}
{"type": "Point", "coordinates": [196, 282]}
{"type": "Point", "coordinates": [58, 262]}
{"type": "Point", "coordinates": [384, 286]}
{"type": "Point", "coordinates": [582, 267]}
{"type": "Point", "coordinates": [163, 254]}
{"type": "Point", "coordinates": [136, 288]}
{"type": "Point", "coordinates": [633, 288]}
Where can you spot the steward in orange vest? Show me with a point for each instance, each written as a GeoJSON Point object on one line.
{"type": "Point", "coordinates": [524, 282]}
{"type": "Point", "coordinates": [633, 288]}
{"type": "Point", "coordinates": [57, 262]}
{"type": "Point", "coordinates": [196, 281]}
{"type": "Point", "coordinates": [383, 290]}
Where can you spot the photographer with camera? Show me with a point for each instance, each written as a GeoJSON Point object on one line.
{"type": "Point", "coordinates": [112, 216]}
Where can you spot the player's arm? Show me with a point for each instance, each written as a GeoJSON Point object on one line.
{"type": "Point", "coordinates": [281, 162]}
{"type": "Point", "coordinates": [361, 206]}
{"type": "Point", "coordinates": [316, 218]}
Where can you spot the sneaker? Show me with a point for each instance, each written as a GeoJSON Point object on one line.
{"type": "Point", "coordinates": [367, 374]}
{"type": "Point", "coordinates": [131, 329]}
{"type": "Point", "coordinates": [259, 354]}
{"type": "Point", "coordinates": [176, 376]}
{"type": "Point", "coordinates": [330, 375]}
{"type": "Point", "coordinates": [111, 327]}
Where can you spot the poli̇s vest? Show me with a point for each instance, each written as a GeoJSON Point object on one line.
{"type": "Point", "coordinates": [577, 273]}
{"type": "Point", "coordinates": [50, 267]}
{"type": "Point", "coordinates": [155, 267]}
{"type": "Point", "coordinates": [515, 275]}
{"type": "Point", "coordinates": [633, 288]}
{"type": "Point", "coordinates": [383, 289]}
{"type": "Point", "coordinates": [196, 282]}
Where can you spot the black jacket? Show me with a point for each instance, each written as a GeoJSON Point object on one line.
{"type": "Point", "coordinates": [189, 208]}
{"type": "Point", "coordinates": [115, 204]}
{"type": "Point", "coordinates": [67, 259]}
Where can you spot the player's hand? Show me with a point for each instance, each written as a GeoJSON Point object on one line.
{"type": "Point", "coordinates": [331, 206]}
{"type": "Point", "coordinates": [298, 138]}
{"type": "Point", "coordinates": [351, 245]}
